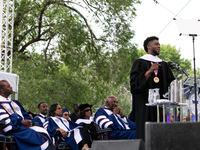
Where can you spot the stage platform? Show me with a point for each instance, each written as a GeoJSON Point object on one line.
{"type": "Point", "coordinates": [136, 144]}
{"type": "Point", "coordinates": [172, 136]}
{"type": "Point", "coordinates": [158, 136]}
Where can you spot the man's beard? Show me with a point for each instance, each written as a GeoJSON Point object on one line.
{"type": "Point", "coordinates": [155, 53]}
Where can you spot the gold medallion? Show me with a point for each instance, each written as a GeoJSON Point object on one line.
{"type": "Point", "coordinates": [156, 79]}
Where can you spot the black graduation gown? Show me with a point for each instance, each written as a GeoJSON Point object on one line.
{"type": "Point", "coordinates": [74, 117]}
{"type": "Point", "coordinates": [140, 88]}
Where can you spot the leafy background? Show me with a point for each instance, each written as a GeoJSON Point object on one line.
{"type": "Point", "coordinates": [78, 51]}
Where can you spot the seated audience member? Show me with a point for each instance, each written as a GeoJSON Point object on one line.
{"type": "Point", "coordinates": [41, 117]}
{"type": "Point", "coordinates": [188, 117]}
{"type": "Point", "coordinates": [111, 116]}
{"type": "Point", "coordinates": [69, 130]}
{"type": "Point", "coordinates": [18, 123]}
{"type": "Point", "coordinates": [75, 115]}
{"type": "Point", "coordinates": [171, 117]}
{"type": "Point", "coordinates": [65, 114]}
{"type": "Point", "coordinates": [32, 115]}
{"type": "Point", "coordinates": [178, 116]}
{"type": "Point", "coordinates": [88, 125]}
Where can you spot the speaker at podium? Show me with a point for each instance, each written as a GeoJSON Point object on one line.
{"type": "Point", "coordinates": [172, 136]}
{"type": "Point", "coordinates": [137, 144]}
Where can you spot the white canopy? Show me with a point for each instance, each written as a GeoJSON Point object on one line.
{"type": "Point", "coordinates": [13, 80]}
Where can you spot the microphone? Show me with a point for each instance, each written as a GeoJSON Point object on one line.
{"type": "Point", "coordinates": [174, 66]}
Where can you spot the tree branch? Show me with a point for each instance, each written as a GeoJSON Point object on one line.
{"type": "Point", "coordinates": [85, 20]}
{"type": "Point", "coordinates": [38, 38]}
{"type": "Point", "coordinates": [34, 40]}
{"type": "Point", "coordinates": [41, 15]}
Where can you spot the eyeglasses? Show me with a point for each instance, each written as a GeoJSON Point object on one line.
{"type": "Point", "coordinates": [66, 114]}
{"type": "Point", "coordinates": [88, 110]}
{"type": "Point", "coordinates": [59, 108]}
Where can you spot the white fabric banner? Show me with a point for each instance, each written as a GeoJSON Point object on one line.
{"type": "Point", "coordinates": [13, 80]}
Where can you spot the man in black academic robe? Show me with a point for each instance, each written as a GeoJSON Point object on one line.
{"type": "Point", "coordinates": [148, 72]}
{"type": "Point", "coordinates": [75, 115]}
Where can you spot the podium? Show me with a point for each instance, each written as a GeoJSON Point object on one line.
{"type": "Point", "coordinates": [165, 104]}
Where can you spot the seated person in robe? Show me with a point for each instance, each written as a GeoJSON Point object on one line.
{"type": "Point", "coordinates": [112, 117]}
{"type": "Point", "coordinates": [18, 123]}
{"type": "Point", "coordinates": [65, 114]}
{"type": "Point", "coordinates": [69, 130]}
{"type": "Point", "coordinates": [87, 123]}
{"type": "Point", "coordinates": [41, 117]}
{"type": "Point", "coordinates": [32, 115]}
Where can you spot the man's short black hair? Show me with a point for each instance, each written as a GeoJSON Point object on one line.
{"type": "Point", "coordinates": [2, 84]}
{"type": "Point", "coordinates": [146, 42]}
{"type": "Point", "coordinates": [40, 104]}
{"type": "Point", "coordinates": [75, 105]}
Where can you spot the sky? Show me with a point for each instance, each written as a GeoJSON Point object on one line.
{"type": "Point", "coordinates": [156, 19]}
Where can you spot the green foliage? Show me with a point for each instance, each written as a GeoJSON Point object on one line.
{"type": "Point", "coordinates": [72, 22]}
{"type": "Point", "coordinates": [66, 87]}
{"type": "Point", "coordinates": [77, 62]}
{"type": "Point", "coordinates": [197, 75]}
{"type": "Point", "coordinates": [35, 86]}
{"type": "Point", "coordinates": [170, 53]}
{"type": "Point", "coordinates": [141, 52]}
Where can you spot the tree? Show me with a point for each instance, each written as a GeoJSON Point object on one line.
{"type": "Point", "coordinates": [58, 87]}
{"type": "Point", "coordinates": [170, 53]}
{"type": "Point", "coordinates": [197, 73]}
{"type": "Point", "coordinates": [68, 33]}
{"type": "Point", "coordinates": [67, 87]}
{"type": "Point", "coordinates": [67, 23]}
{"type": "Point", "coordinates": [88, 63]}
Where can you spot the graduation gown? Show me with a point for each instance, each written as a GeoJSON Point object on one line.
{"type": "Point", "coordinates": [122, 128]}
{"type": "Point", "coordinates": [88, 131]}
{"type": "Point", "coordinates": [40, 119]}
{"type": "Point", "coordinates": [13, 113]}
{"type": "Point", "coordinates": [140, 88]}
{"type": "Point", "coordinates": [53, 123]}
{"type": "Point", "coordinates": [74, 117]}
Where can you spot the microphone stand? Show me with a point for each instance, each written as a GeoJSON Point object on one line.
{"type": "Point", "coordinates": [191, 28]}
{"type": "Point", "coordinates": [195, 83]}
